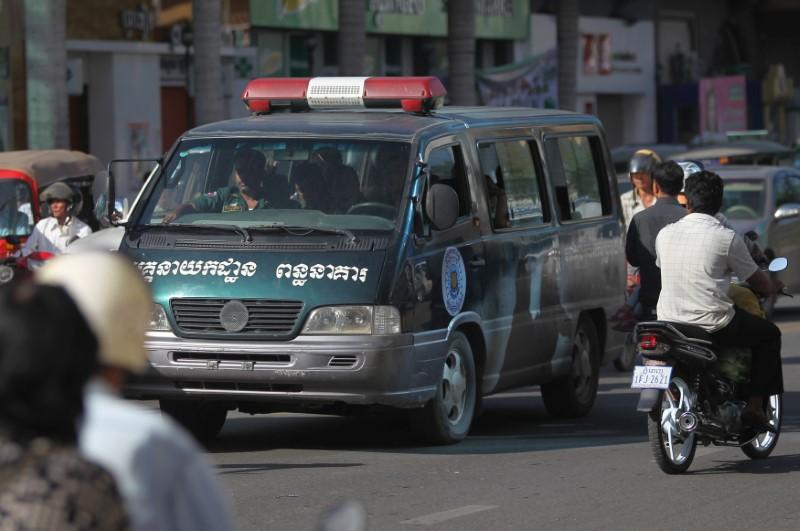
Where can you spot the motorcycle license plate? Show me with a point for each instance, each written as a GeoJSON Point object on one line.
{"type": "Point", "coordinates": [651, 377]}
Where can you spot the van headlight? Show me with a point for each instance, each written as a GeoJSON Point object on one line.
{"type": "Point", "coordinates": [375, 320]}
{"type": "Point", "coordinates": [158, 318]}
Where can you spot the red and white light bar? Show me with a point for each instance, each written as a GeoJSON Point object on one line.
{"type": "Point", "coordinates": [413, 94]}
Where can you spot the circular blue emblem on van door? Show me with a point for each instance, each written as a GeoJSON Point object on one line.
{"type": "Point", "coordinates": [454, 281]}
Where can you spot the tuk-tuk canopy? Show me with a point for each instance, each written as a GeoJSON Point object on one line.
{"type": "Point", "coordinates": [46, 166]}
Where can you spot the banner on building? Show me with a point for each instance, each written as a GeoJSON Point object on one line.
{"type": "Point", "coordinates": [531, 83]}
{"type": "Point", "coordinates": [494, 19]}
{"type": "Point", "coordinates": [723, 105]}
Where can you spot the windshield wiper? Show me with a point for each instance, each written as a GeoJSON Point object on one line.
{"type": "Point", "coordinates": [308, 229]}
{"type": "Point", "coordinates": [246, 237]}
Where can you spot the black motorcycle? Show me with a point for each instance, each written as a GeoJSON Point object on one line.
{"type": "Point", "coordinates": [694, 392]}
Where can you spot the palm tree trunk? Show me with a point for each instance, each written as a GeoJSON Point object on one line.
{"type": "Point", "coordinates": [46, 64]}
{"type": "Point", "coordinates": [352, 38]}
{"type": "Point", "coordinates": [567, 40]}
{"type": "Point", "coordinates": [207, 33]}
{"type": "Point", "coordinates": [461, 51]}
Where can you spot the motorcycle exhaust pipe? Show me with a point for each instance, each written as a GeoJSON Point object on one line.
{"type": "Point", "coordinates": [690, 422]}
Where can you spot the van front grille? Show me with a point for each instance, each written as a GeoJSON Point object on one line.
{"type": "Point", "coordinates": [202, 316]}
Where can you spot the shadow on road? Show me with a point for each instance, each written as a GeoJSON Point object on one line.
{"type": "Point", "coordinates": [780, 464]}
{"type": "Point", "coordinates": [517, 422]}
{"type": "Point", "coordinates": [244, 468]}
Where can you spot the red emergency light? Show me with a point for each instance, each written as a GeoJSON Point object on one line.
{"type": "Point", "coordinates": [412, 94]}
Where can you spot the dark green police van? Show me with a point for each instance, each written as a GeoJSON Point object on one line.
{"type": "Point", "coordinates": [331, 253]}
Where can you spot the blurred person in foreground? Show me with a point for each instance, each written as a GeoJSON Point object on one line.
{"type": "Point", "coordinates": [47, 354]}
{"type": "Point", "coordinates": [164, 479]}
{"type": "Point", "coordinates": [52, 234]}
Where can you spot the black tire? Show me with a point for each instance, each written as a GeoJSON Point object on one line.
{"type": "Point", "coordinates": [573, 395]}
{"type": "Point", "coordinates": [447, 417]}
{"type": "Point", "coordinates": [665, 462]}
{"type": "Point", "coordinates": [764, 443]}
{"type": "Point", "coordinates": [627, 359]}
{"type": "Point", "coordinates": [203, 420]}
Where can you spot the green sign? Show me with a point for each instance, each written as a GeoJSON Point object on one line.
{"type": "Point", "coordinates": [295, 14]}
{"type": "Point", "coordinates": [494, 19]}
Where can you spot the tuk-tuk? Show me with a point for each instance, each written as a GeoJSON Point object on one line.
{"type": "Point", "coordinates": [26, 174]}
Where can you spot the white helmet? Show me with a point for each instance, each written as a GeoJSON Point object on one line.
{"type": "Point", "coordinates": [114, 299]}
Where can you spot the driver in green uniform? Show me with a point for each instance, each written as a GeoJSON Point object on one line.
{"type": "Point", "coordinates": [254, 189]}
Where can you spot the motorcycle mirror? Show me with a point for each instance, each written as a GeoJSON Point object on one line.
{"type": "Point", "coordinates": [778, 264]}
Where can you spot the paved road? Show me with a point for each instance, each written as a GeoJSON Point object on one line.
{"type": "Point", "coordinates": [519, 469]}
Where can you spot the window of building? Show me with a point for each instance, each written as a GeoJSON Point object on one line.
{"type": "Point", "coordinates": [393, 56]}
{"type": "Point", "coordinates": [514, 185]}
{"type": "Point", "coordinates": [579, 177]}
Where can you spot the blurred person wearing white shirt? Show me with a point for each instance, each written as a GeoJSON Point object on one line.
{"type": "Point", "coordinates": [164, 478]}
{"type": "Point", "coordinates": [54, 233]}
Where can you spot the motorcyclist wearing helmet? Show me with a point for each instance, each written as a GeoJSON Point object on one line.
{"type": "Point", "coordinates": [165, 481]}
{"type": "Point", "coordinates": [53, 234]}
{"type": "Point", "coordinates": [641, 196]}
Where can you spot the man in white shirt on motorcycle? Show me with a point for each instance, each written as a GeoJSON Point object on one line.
{"type": "Point", "coordinates": [54, 233]}
{"type": "Point", "coordinates": [697, 255]}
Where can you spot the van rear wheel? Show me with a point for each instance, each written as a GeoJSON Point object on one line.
{"type": "Point", "coordinates": [573, 395]}
{"type": "Point", "coordinates": [447, 417]}
{"type": "Point", "coordinates": [203, 420]}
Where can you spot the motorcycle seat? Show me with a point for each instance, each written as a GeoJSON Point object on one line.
{"type": "Point", "coordinates": [691, 331]}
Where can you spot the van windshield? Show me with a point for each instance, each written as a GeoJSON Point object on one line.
{"type": "Point", "coordinates": [325, 184]}
{"type": "Point", "coordinates": [16, 214]}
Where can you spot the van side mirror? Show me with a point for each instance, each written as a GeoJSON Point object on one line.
{"type": "Point", "coordinates": [787, 210]}
{"type": "Point", "coordinates": [441, 206]}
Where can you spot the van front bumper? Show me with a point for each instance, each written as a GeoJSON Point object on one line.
{"type": "Point", "coordinates": [358, 370]}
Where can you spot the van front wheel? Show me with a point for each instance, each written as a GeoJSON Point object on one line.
{"type": "Point", "coordinates": [447, 417]}
{"type": "Point", "coordinates": [573, 395]}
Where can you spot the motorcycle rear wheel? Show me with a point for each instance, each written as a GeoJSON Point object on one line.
{"type": "Point", "coordinates": [764, 443]}
{"type": "Point", "coordinates": [673, 451]}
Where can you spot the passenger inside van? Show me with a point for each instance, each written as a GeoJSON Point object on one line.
{"type": "Point", "coordinates": [498, 201]}
{"type": "Point", "coordinates": [341, 180]}
{"type": "Point", "coordinates": [309, 187]}
{"type": "Point", "coordinates": [254, 187]}
{"type": "Point", "coordinates": [386, 177]}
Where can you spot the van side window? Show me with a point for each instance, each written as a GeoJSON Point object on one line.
{"type": "Point", "coordinates": [579, 177]}
{"type": "Point", "coordinates": [513, 184]}
{"type": "Point", "coordinates": [447, 167]}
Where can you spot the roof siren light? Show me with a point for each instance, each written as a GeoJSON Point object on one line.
{"type": "Point", "coordinates": [412, 94]}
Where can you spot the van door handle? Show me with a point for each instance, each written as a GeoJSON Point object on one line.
{"type": "Point", "coordinates": [477, 262]}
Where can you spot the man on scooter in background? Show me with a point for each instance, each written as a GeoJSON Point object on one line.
{"type": "Point", "coordinates": [640, 242]}
{"type": "Point", "coordinates": [54, 233]}
{"type": "Point", "coordinates": [697, 255]}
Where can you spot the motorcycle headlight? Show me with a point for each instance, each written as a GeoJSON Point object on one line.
{"type": "Point", "coordinates": [364, 320]}
{"type": "Point", "coordinates": [158, 318]}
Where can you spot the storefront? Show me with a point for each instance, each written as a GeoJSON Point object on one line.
{"type": "Point", "coordinates": [404, 37]}
{"type": "Point", "coordinates": [130, 83]}
{"type": "Point", "coordinates": [616, 73]}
